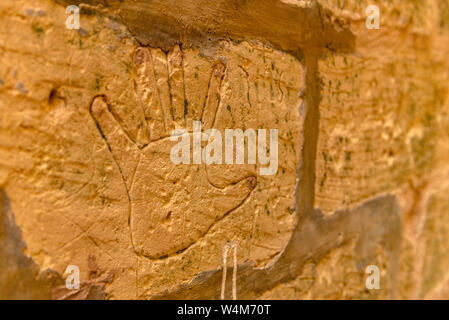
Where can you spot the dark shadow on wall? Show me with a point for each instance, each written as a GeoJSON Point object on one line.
{"type": "Point", "coordinates": [20, 277]}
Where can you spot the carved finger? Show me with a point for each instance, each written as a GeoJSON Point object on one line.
{"type": "Point", "coordinates": [197, 72]}
{"type": "Point", "coordinates": [123, 150]}
{"type": "Point", "coordinates": [219, 202]}
{"type": "Point", "coordinates": [148, 92]}
{"type": "Point", "coordinates": [213, 96]}
{"type": "Point", "coordinates": [176, 78]}
{"type": "Point", "coordinates": [161, 75]}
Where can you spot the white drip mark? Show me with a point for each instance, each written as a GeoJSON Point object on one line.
{"type": "Point", "coordinates": [223, 281]}
{"type": "Point", "coordinates": [234, 273]}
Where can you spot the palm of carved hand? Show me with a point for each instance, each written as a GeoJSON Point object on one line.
{"type": "Point", "coordinates": [172, 206]}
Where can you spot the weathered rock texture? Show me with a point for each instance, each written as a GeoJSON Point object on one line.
{"type": "Point", "coordinates": [85, 171]}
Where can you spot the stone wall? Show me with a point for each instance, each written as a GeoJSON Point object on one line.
{"type": "Point", "coordinates": [86, 170]}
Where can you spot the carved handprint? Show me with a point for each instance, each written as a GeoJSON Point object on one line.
{"type": "Point", "coordinates": [171, 206]}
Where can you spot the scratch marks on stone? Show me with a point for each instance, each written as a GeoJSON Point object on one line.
{"type": "Point", "coordinates": [160, 87]}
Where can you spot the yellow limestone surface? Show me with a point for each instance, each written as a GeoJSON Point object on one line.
{"type": "Point", "coordinates": [86, 119]}
{"type": "Point", "coordinates": [85, 128]}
